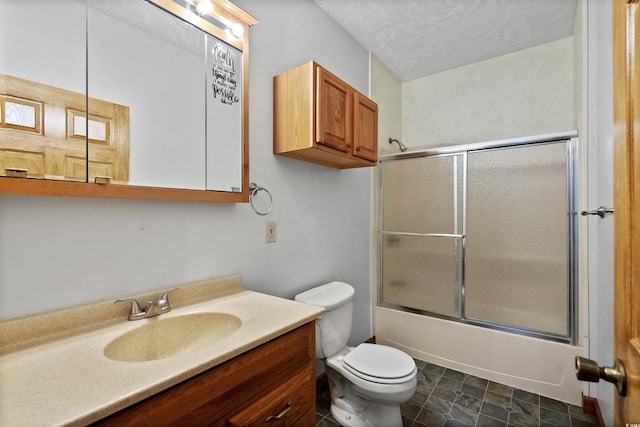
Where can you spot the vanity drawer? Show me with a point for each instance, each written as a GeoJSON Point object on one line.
{"type": "Point", "coordinates": [286, 405]}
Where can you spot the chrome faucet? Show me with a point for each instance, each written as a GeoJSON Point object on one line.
{"type": "Point", "coordinates": [153, 308]}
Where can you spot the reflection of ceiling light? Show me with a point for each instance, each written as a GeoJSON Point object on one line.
{"type": "Point", "coordinates": [236, 30]}
{"type": "Point", "coordinates": [204, 7]}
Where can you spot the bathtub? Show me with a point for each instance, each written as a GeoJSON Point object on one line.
{"type": "Point", "coordinates": [539, 366]}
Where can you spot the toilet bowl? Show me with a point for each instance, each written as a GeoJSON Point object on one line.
{"type": "Point", "coordinates": [367, 383]}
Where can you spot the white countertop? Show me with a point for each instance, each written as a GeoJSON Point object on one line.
{"type": "Point", "coordinates": [68, 380]}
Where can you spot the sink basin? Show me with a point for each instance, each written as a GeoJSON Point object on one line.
{"type": "Point", "coordinates": [164, 337]}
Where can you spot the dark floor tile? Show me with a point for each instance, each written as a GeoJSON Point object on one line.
{"type": "Point", "coordinates": [450, 383]}
{"type": "Point", "coordinates": [501, 389]}
{"type": "Point", "coordinates": [529, 409]}
{"type": "Point", "coordinates": [430, 418]}
{"type": "Point", "coordinates": [456, 423]}
{"type": "Point", "coordinates": [497, 399]}
{"type": "Point", "coordinates": [455, 375]}
{"type": "Point", "coordinates": [553, 417]}
{"type": "Point", "coordinates": [425, 376]}
{"type": "Point", "coordinates": [420, 364]}
{"type": "Point", "coordinates": [444, 394]}
{"type": "Point", "coordinates": [578, 413]}
{"type": "Point", "coordinates": [326, 422]}
{"type": "Point", "coordinates": [526, 396]}
{"type": "Point", "coordinates": [437, 405]}
{"type": "Point", "coordinates": [554, 405]}
{"type": "Point", "coordinates": [449, 398]}
{"type": "Point", "coordinates": [425, 387]}
{"type": "Point", "coordinates": [323, 406]}
{"type": "Point", "coordinates": [520, 420]}
{"type": "Point", "coordinates": [494, 411]}
{"type": "Point", "coordinates": [579, 422]}
{"type": "Point", "coordinates": [472, 391]}
{"type": "Point", "coordinates": [476, 382]}
{"type": "Point", "coordinates": [435, 369]}
{"type": "Point", "coordinates": [485, 421]}
{"type": "Point", "coordinates": [464, 415]}
{"type": "Point", "coordinates": [410, 410]}
{"type": "Point", "coordinates": [469, 402]}
{"type": "Point", "coordinates": [418, 398]}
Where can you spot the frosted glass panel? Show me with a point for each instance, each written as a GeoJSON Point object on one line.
{"type": "Point", "coordinates": [421, 272]}
{"type": "Point", "coordinates": [516, 248]}
{"type": "Point", "coordinates": [423, 195]}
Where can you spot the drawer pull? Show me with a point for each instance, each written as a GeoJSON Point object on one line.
{"type": "Point", "coordinates": [281, 414]}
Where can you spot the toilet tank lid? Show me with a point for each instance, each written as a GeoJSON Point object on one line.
{"type": "Point", "coordinates": [328, 296]}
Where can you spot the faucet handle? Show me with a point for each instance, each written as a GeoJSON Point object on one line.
{"type": "Point", "coordinates": [135, 312]}
{"type": "Point", "coordinates": [163, 302]}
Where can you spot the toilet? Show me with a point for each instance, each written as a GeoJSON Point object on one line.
{"type": "Point", "coordinates": [368, 383]}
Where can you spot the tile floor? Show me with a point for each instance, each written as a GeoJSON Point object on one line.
{"type": "Point", "coordinates": [448, 398]}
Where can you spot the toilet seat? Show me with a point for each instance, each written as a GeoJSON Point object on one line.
{"type": "Point", "coordinates": [379, 364]}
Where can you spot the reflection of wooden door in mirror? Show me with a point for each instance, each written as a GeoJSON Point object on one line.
{"type": "Point", "coordinates": [43, 130]}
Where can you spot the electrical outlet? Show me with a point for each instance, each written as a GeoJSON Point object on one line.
{"type": "Point", "coordinates": [270, 231]}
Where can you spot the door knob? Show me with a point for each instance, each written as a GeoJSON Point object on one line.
{"type": "Point", "coordinates": [588, 370]}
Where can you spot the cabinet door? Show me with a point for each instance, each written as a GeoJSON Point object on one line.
{"type": "Point", "coordinates": [365, 127]}
{"type": "Point", "coordinates": [333, 112]}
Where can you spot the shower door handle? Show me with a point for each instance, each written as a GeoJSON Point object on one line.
{"type": "Point", "coordinates": [601, 212]}
{"type": "Point", "coordinates": [589, 370]}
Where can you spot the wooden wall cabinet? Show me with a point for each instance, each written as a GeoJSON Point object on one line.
{"type": "Point", "coordinates": [271, 385]}
{"type": "Point", "coordinates": [321, 119]}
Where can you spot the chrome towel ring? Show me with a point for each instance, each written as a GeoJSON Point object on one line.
{"type": "Point", "coordinates": [253, 190]}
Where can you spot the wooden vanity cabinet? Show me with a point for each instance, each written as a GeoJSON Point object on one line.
{"type": "Point", "coordinates": [321, 119]}
{"type": "Point", "coordinates": [271, 385]}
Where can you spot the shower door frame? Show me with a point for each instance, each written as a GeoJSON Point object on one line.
{"type": "Point", "coordinates": [570, 138]}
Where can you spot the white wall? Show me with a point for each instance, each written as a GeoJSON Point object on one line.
{"type": "Point", "coordinates": [599, 150]}
{"type": "Point", "coordinates": [528, 92]}
{"type": "Point", "coordinates": [60, 252]}
{"type": "Point", "coordinates": [386, 90]}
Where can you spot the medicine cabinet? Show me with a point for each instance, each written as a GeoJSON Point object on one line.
{"type": "Point", "coordinates": [142, 99]}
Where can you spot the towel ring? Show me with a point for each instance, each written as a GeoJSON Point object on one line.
{"type": "Point", "coordinates": [253, 190]}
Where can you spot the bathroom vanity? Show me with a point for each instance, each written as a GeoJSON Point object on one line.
{"type": "Point", "coordinates": [272, 385]}
{"type": "Point", "coordinates": [231, 358]}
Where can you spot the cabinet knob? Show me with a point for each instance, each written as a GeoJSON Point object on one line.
{"type": "Point", "coordinates": [358, 148]}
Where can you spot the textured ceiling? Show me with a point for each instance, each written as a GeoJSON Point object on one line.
{"type": "Point", "coordinates": [416, 38]}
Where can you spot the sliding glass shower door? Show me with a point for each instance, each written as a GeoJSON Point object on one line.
{"type": "Point", "coordinates": [516, 270]}
{"type": "Point", "coordinates": [483, 235]}
{"type": "Point", "coordinates": [422, 233]}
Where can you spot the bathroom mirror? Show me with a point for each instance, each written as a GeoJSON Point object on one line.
{"type": "Point", "coordinates": [166, 90]}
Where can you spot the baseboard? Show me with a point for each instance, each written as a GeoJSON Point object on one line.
{"type": "Point", "coordinates": [322, 382]}
{"type": "Point", "coordinates": [591, 406]}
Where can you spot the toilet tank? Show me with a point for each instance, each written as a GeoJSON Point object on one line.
{"type": "Point", "coordinates": [334, 327]}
